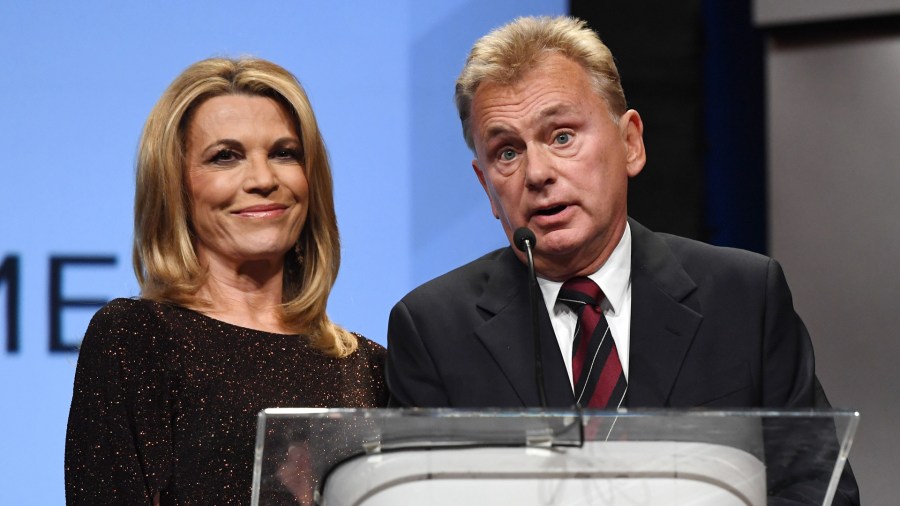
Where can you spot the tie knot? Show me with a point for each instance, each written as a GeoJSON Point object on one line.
{"type": "Point", "coordinates": [577, 292]}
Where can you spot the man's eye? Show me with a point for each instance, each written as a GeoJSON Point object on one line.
{"type": "Point", "coordinates": [563, 138]}
{"type": "Point", "coordinates": [507, 155]}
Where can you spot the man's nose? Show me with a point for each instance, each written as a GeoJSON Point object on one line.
{"type": "Point", "coordinates": [540, 168]}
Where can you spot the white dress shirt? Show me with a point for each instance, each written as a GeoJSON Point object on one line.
{"type": "Point", "coordinates": [614, 278]}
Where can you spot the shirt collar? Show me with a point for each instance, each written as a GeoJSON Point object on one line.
{"type": "Point", "coordinates": [612, 277]}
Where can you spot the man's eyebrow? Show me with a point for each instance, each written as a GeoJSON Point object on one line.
{"type": "Point", "coordinates": [497, 131]}
{"type": "Point", "coordinates": [555, 110]}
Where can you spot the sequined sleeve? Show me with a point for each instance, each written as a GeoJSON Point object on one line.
{"type": "Point", "coordinates": [370, 381]}
{"type": "Point", "coordinates": [118, 442]}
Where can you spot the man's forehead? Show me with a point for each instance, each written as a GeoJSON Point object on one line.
{"type": "Point", "coordinates": [504, 110]}
{"type": "Point", "coordinates": [543, 113]}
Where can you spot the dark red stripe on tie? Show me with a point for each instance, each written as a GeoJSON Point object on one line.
{"type": "Point", "coordinates": [596, 369]}
{"type": "Point", "coordinates": [589, 320]}
{"type": "Point", "coordinates": [606, 384]}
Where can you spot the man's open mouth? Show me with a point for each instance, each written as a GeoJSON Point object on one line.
{"type": "Point", "coordinates": [550, 211]}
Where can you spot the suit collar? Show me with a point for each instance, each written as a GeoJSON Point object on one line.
{"type": "Point", "coordinates": [664, 319]}
{"type": "Point", "coordinates": [506, 333]}
{"type": "Point", "coordinates": [613, 277]}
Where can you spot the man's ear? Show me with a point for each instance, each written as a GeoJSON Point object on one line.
{"type": "Point", "coordinates": [480, 175]}
{"type": "Point", "coordinates": [632, 129]}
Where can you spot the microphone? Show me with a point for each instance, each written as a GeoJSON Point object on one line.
{"type": "Point", "coordinates": [525, 240]}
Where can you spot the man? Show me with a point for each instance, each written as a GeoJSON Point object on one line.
{"type": "Point", "coordinates": [629, 317]}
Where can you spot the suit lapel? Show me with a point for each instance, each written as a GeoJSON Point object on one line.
{"type": "Point", "coordinates": [663, 323]}
{"type": "Point", "coordinates": [506, 333]}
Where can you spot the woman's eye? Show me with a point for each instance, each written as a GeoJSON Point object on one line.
{"type": "Point", "coordinates": [507, 155]}
{"type": "Point", "coordinates": [287, 154]}
{"type": "Point", "coordinates": [224, 156]}
{"type": "Point", "coordinates": [563, 138]}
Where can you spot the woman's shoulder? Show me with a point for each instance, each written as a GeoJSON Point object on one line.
{"type": "Point", "coordinates": [123, 307]}
{"type": "Point", "coordinates": [129, 313]}
{"type": "Point", "coordinates": [121, 311]}
{"type": "Point", "coordinates": [368, 347]}
{"type": "Point", "coordinates": [368, 362]}
{"type": "Point", "coordinates": [127, 322]}
{"type": "Point", "coordinates": [368, 353]}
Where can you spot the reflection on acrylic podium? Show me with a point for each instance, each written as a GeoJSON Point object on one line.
{"type": "Point", "coordinates": [375, 457]}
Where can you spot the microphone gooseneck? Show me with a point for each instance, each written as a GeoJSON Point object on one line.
{"type": "Point", "coordinates": [525, 240]}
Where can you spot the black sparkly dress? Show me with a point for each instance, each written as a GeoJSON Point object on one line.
{"type": "Point", "coordinates": [167, 399]}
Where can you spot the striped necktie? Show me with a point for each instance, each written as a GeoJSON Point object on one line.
{"type": "Point", "coordinates": [596, 370]}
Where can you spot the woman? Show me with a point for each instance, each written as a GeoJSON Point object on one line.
{"type": "Point", "coordinates": [235, 249]}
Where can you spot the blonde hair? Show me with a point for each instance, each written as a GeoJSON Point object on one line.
{"type": "Point", "coordinates": [164, 258]}
{"type": "Point", "coordinates": [505, 54]}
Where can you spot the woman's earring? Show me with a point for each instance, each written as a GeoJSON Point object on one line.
{"type": "Point", "coordinates": [298, 251]}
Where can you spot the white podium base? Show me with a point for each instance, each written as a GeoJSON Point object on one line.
{"type": "Point", "coordinates": [609, 473]}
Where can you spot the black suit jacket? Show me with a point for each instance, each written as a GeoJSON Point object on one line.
{"type": "Point", "coordinates": [710, 326]}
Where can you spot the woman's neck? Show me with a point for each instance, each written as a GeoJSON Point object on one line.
{"type": "Point", "coordinates": [246, 295]}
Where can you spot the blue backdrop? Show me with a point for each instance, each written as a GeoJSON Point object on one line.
{"type": "Point", "coordinates": [78, 83]}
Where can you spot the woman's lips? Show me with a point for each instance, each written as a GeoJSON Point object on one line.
{"type": "Point", "coordinates": [262, 211]}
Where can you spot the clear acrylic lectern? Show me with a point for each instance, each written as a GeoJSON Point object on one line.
{"type": "Point", "coordinates": [374, 457]}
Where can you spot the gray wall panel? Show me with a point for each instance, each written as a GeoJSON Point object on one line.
{"type": "Point", "coordinates": [774, 12]}
{"type": "Point", "coordinates": [834, 211]}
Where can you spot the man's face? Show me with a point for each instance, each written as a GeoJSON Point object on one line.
{"type": "Point", "coordinates": [551, 158]}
